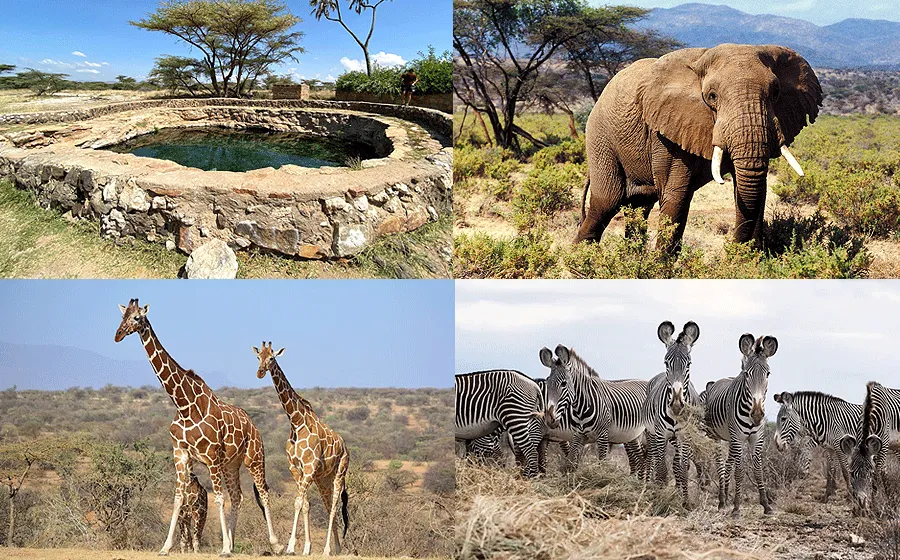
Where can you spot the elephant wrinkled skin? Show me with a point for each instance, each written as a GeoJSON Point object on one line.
{"type": "Point", "coordinates": [664, 127]}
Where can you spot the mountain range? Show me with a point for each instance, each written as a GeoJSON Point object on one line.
{"type": "Point", "coordinates": [851, 43]}
{"type": "Point", "coordinates": [57, 368]}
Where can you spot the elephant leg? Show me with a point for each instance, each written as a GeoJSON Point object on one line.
{"type": "Point", "coordinates": [604, 194]}
{"type": "Point", "coordinates": [674, 203]}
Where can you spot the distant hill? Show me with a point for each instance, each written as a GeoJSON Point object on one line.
{"type": "Point", "coordinates": [52, 367]}
{"type": "Point", "coordinates": [851, 43]}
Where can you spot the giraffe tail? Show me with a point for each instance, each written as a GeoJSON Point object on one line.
{"type": "Point", "coordinates": [258, 500]}
{"type": "Point", "coordinates": [344, 513]}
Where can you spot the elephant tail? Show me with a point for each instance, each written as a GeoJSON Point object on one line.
{"type": "Point", "coordinates": [587, 188]}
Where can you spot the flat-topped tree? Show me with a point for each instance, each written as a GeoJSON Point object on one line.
{"type": "Point", "coordinates": [331, 10]}
{"type": "Point", "coordinates": [206, 429]}
{"type": "Point", "coordinates": [239, 40]}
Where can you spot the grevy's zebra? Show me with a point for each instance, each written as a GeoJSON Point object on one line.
{"type": "Point", "coordinates": [598, 410]}
{"type": "Point", "coordinates": [826, 419]}
{"type": "Point", "coordinates": [487, 400]}
{"type": "Point", "coordinates": [880, 432]}
{"type": "Point", "coordinates": [669, 392]}
{"type": "Point", "coordinates": [735, 412]}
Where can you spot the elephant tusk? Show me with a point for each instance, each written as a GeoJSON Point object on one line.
{"type": "Point", "coordinates": [717, 165]}
{"type": "Point", "coordinates": [791, 160]}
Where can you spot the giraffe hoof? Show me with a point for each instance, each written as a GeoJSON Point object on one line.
{"type": "Point", "coordinates": [224, 555]}
{"type": "Point", "coordinates": [163, 553]}
{"type": "Point", "coordinates": [735, 514]}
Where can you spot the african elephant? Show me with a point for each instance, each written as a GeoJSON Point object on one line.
{"type": "Point", "coordinates": [664, 127]}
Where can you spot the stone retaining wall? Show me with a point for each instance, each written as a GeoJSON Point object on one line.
{"type": "Point", "coordinates": [431, 119]}
{"type": "Point", "coordinates": [312, 213]}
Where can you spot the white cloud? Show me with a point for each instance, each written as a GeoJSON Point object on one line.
{"type": "Point", "coordinates": [79, 53]}
{"type": "Point", "coordinates": [93, 64]}
{"type": "Point", "coordinates": [105, 63]}
{"type": "Point", "coordinates": [329, 78]}
{"type": "Point", "coordinates": [508, 316]}
{"type": "Point", "coordinates": [88, 71]}
{"type": "Point", "coordinates": [382, 58]}
{"type": "Point", "coordinates": [61, 64]}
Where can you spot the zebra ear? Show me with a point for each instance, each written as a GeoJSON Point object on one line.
{"type": "Point", "coordinates": [546, 357]}
{"type": "Point", "coordinates": [664, 331]}
{"type": "Point", "coordinates": [691, 333]}
{"type": "Point", "coordinates": [848, 442]}
{"type": "Point", "coordinates": [746, 343]}
{"type": "Point", "coordinates": [709, 384]}
{"type": "Point", "coordinates": [562, 353]}
{"type": "Point", "coordinates": [777, 397]}
{"type": "Point", "coordinates": [769, 346]}
{"type": "Point", "coordinates": [873, 443]}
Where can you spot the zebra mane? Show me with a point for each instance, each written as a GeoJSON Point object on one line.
{"type": "Point", "coordinates": [820, 394]}
{"type": "Point", "coordinates": [868, 410]}
{"type": "Point", "coordinates": [583, 366]}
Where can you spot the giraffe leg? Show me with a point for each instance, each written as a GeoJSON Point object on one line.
{"type": "Point", "coordinates": [182, 471]}
{"type": "Point", "coordinates": [256, 466]}
{"type": "Point", "coordinates": [233, 487]}
{"type": "Point", "coordinates": [339, 485]}
{"type": "Point", "coordinates": [301, 506]}
{"type": "Point", "coordinates": [326, 485]}
{"type": "Point", "coordinates": [217, 476]}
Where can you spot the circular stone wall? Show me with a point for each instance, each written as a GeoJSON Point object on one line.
{"type": "Point", "coordinates": [313, 213]}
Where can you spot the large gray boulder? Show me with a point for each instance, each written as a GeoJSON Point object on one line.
{"type": "Point", "coordinates": [213, 259]}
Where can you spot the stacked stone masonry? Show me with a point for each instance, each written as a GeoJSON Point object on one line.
{"type": "Point", "coordinates": [312, 213]}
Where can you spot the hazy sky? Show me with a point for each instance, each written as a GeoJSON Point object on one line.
{"type": "Point", "coordinates": [92, 40]}
{"type": "Point", "coordinates": [337, 333]}
{"type": "Point", "coordinates": [833, 336]}
{"type": "Point", "coordinates": [820, 12]}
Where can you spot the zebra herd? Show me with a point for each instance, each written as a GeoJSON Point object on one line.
{"type": "Point", "coordinates": [574, 406]}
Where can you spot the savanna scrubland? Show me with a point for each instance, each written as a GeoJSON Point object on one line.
{"type": "Point", "coordinates": [101, 474]}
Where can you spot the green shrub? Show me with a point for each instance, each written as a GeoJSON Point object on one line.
{"type": "Point", "coordinates": [383, 81]}
{"type": "Point", "coordinates": [568, 151]}
{"type": "Point", "coordinates": [435, 72]}
{"type": "Point", "coordinates": [495, 163]}
{"type": "Point", "coordinates": [855, 180]}
{"type": "Point", "coordinates": [545, 192]}
{"type": "Point", "coordinates": [529, 255]}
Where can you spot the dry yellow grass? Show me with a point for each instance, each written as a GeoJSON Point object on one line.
{"type": "Point", "coordinates": [84, 554]}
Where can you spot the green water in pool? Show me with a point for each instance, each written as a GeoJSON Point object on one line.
{"type": "Point", "coordinates": [219, 149]}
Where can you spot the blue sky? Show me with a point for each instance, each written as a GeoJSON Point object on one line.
{"type": "Point", "coordinates": [342, 333]}
{"type": "Point", "coordinates": [92, 40]}
{"type": "Point", "coordinates": [834, 336]}
{"type": "Point", "coordinates": [820, 12]}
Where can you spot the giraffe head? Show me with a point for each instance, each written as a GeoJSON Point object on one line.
{"type": "Point", "coordinates": [133, 318]}
{"type": "Point", "coordinates": [266, 358]}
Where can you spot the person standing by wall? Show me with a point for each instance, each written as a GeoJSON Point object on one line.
{"type": "Point", "coordinates": [409, 80]}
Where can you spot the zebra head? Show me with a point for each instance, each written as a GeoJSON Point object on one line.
{"type": "Point", "coordinates": [558, 383]}
{"type": "Point", "coordinates": [788, 427]}
{"type": "Point", "coordinates": [862, 468]}
{"type": "Point", "coordinates": [678, 361]}
{"type": "Point", "coordinates": [755, 371]}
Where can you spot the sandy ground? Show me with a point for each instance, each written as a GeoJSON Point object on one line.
{"type": "Point", "coordinates": [85, 554]}
{"type": "Point", "coordinates": [710, 222]}
{"type": "Point", "coordinates": [23, 101]}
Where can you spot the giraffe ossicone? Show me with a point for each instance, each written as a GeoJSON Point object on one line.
{"type": "Point", "coordinates": [217, 434]}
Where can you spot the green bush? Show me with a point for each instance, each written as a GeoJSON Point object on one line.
{"type": "Point", "coordinates": [529, 255]}
{"type": "Point", "coordinates": [435, 72]}
{"type": "Point", "coordinates": [568, 151]}
{"type": "Point", "coordinates": [435, 76]}
{"type": "Point", "coordinates": [544, 192]}
{"type": "Point", "coordinates": [494, 163]}
{"type": "Point", "coordinates": [855, 180]}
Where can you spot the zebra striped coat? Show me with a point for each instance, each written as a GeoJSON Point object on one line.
{"type": "Point", "coordinates": [599, 410]}
{"type": "Point", "coordinates": [880, 432]}
{"type": "Point", "coordinates": [668, 395]}
{"type": "Point", "coordinates": [735, 412]}
{"type": "Point", "coordinates": [825, 419]}
{"type": "Point", "coordinates": [507, 399]}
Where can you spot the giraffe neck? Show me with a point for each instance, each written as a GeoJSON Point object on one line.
{"type": "Point", "coordinates": [182, 386]}
{"type": "Point", "coordinates": [294, 405]}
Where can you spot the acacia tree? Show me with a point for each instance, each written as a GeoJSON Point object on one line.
{"type": "Point", "coordinates": [331, 10]}
{"type": "Point", "coordinates": [604, 50]}
{"type": "Point", "coordinates": [174, 72]}
{"type": "Point", "coordinates": [239, 40]}
{"type": "Point", "coordinates": [502, 45]}
{"type": "Point", "coordinates": [4, 68]}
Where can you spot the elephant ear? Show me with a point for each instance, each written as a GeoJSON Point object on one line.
{"type": "Point", "coordinates": [672, 103]}
{"type": "Point", "coordinates": [801, 94]}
